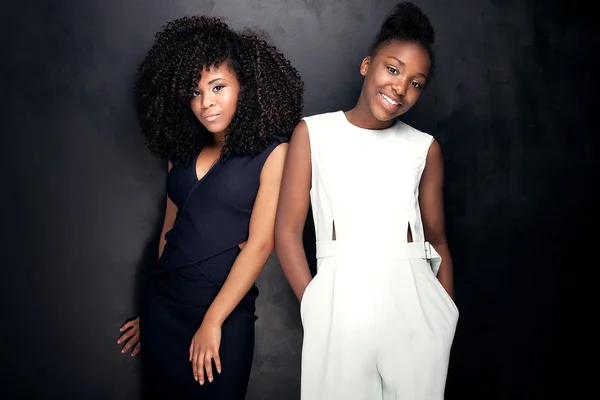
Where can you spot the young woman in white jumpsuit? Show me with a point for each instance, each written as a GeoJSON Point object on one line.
{"type": "Point", "coordinates": [379, 317]}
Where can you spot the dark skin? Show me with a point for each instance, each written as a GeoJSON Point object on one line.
{"type": "Point", "coordinates": [394, 79]}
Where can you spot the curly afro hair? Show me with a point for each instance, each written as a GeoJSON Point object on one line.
{"type": "Point", "coordinates": [406, 23]}
{"type": "Point", "coordinates": [269, 106]}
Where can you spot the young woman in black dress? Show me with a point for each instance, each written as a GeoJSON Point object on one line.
{"type": "Point", "coordinates": [219, 105]}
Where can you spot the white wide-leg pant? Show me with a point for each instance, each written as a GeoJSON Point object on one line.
{"type": "Point", "coordinates": [376, 327]}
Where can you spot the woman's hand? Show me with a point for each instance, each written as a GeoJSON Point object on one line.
{"type": "Point", "coordinates": [204, 349]}
{"type": "Point", "coordinates": [131, 336]}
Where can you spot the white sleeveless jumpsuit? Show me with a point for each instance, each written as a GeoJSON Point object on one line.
{"type": "Point", "coordinates": [378, 325]}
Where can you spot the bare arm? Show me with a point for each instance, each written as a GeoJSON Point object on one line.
{"type": "Point", "coordinates": [170, 214]}
{"type": "Point", "coordinates": [292, 210]}
{"type": "Point", "coordinates": [431, 200]}
{"type": "Point", "coordinates": [260, 244]}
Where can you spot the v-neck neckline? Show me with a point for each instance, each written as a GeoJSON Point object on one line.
{"type": "Point", "coordinates": [195, 173]}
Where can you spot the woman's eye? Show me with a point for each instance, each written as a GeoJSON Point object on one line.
{"type": "Point", "coordinates": [417, 84]}
{"type": "Point", "coordinates": [392, 70]}
{"type": "Point", "coordinates": [196, 93]}
{"type": "Point", "coordinates": [218, 88]}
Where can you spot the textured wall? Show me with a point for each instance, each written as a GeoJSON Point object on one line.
{"type": "Point", "coordinates": [83, 199]}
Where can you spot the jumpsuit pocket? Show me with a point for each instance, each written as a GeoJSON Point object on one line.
{"type": "Point", "coordinates": [446, 295]}
{"type": "Point", "coordinates": [442, 291]}
{"type": "Point", "coordinates": [307, 292]}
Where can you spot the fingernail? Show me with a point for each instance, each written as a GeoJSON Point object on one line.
{"type": "Point", "coordinates": [202, 382]}
{"type": "Point", "coordinates": [118, 342]}
{"type": "Point", "coordinates": [121, 329]}
{"type": "Point", "coordinates": [122, 351]}
{"type": "Point", "coordinates": [196, 378]}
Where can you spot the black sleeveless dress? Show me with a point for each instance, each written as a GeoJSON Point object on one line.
{"type": "Point", "coordinates": [213, 219]}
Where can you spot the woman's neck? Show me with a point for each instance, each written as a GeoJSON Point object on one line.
{"type": "Point", "coordinates": [219, 139]}
{"type": "Point", "coordinates": [362, 117]}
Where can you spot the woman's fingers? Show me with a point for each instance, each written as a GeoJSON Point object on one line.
{"type": "Point", "coordinates": [208, 357]}
{"type": "Point", "coordinates": [125, 337]}
{"type": "Point", "coordinates": [136, 350]}
{"type": "Point", "coordinates": [217, 362]}
{"type": "Point", "coordinates": [130, 324]}
{"type": "Point", "coordinates": [130, 343]}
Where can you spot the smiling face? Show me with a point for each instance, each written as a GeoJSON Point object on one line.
{"type": "Point", "coordinates": [214, 101]}
{"type": "Point", "coordinates": [394, 79]}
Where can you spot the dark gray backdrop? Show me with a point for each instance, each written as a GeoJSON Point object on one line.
{"type": "Point", "coordinates": [83, 199]}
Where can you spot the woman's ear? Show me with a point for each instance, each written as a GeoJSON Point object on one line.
{"type": "Point", "coordinates": [364, 65]}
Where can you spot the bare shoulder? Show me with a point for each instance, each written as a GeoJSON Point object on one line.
{"type": "Point", "coordinates": [301, 130]}
{"type": "Point", "coordinates": [434, 165]}
{"type": "Point", "coordinates": [274, 163]}
{"type": "Point", "coordinates": [300, 137]}
{"type": "Point", "coordinates": [435, 151]}
{"type": "Point", "coordinates": [278, 154]}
